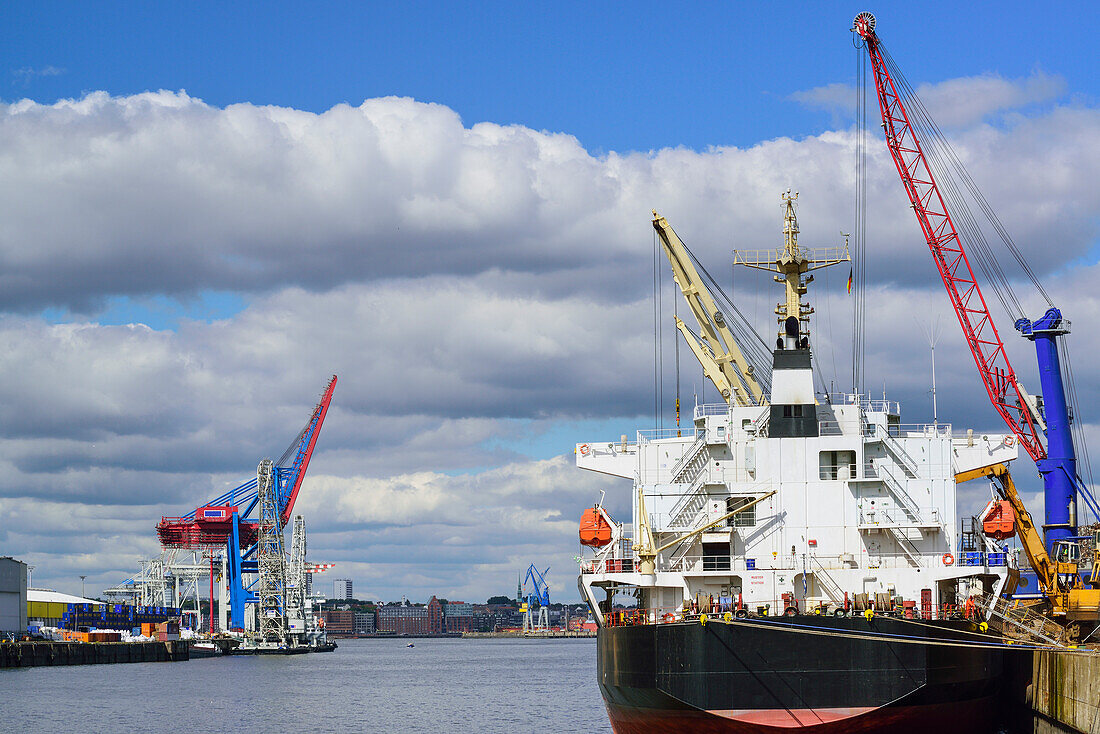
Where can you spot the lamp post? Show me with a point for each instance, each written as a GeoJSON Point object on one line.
{"type": "Point", "coordinates": [30, 570]}
{"type": "Point", "coordinates": [82, 587]}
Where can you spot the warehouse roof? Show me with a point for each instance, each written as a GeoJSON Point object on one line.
{"type": "Point", "coordinates": [49, 595]}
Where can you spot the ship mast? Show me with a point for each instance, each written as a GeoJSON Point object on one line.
{"type": "Point", "coordinates": [792, 266]}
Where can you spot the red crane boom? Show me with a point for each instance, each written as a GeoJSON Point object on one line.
{"type": "Point", "coordinates": [954, 267]}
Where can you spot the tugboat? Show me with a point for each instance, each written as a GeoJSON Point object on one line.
{"type": "Point", "coordinates": [790, 561]}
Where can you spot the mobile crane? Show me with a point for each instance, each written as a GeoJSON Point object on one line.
{"type": "Point", "coordinates": [1067, 600]}
{"type": "Point", "coordinates": [1030, 419]}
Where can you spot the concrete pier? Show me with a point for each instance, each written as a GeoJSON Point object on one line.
{"type": "Point", "coordinates": [32, 654]}
{"type": "Point", "coordinates": [1064, 693]}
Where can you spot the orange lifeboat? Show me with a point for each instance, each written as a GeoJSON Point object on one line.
{"type": "Point", "coordinates": [595, 530]}
{"type": "Point", "coordinates": [1000, 520]}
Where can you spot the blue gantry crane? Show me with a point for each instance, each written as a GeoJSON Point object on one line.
{"type": "Point", "coordinates": [231, 521]}
{"type": "Point", "coordinates": [536, 595]}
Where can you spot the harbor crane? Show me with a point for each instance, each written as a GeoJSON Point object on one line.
{"type": "Point", "coordinates": [536, 595]}
{"type": "Point", "coordinates": [1041, 424]}
{"type": "Point", "coordinates": [252, 543]}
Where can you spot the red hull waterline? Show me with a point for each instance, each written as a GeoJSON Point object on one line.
{"type": "Point", "coordinates": [944, 717]}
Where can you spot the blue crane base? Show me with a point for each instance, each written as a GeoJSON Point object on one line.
{"type": "Point", "coordinates": [237, 566]}
{"type": "Point", "coordinates": [1059, 468]}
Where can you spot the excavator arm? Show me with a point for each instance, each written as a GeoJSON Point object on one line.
{"type": "Point", "coordinates": [1032, 540]}
{"type": "Point", "coordinates": [722, 360]}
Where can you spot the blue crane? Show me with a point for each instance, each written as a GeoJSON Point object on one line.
{"type": "Point", "coordinates": [536, 595]}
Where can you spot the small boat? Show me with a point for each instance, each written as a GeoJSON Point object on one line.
{"type": "Point", "coordinates": [205, 650]}
{"type": "Point", "coordinates": [410, 645]}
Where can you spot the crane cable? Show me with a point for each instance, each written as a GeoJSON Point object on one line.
{"type": "Point", "coordinates": [859, 250]}
{"type": "Point", "coordinates": [947, 166]}
{"type": "Point", "coordinates": [749, 340]}
{"type": "Point", "coordinates": [945, 161]}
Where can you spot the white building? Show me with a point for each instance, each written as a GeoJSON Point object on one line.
{"type": "Point", "coordinates": [341, 589]}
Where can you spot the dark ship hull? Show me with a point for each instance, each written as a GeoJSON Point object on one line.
{"type": "Point", "coordinates": [812, 674]}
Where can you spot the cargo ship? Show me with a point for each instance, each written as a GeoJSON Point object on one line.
{"type": "Point", "coordinates": [795, 559]}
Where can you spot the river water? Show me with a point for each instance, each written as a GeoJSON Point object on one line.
{"type": "Point", "coordinates": [440, 685]}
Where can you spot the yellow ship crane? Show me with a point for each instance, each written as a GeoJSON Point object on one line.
{"type": "Point", "coordinates": [1071, 603]}
{"type": "Point", "coordinates": [723, 362]}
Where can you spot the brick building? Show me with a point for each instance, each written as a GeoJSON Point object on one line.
{"type": "Point", "coordinates": [435, 616]}
{"type": "Point", "coordinates": [404, 619]}
{"type": "Point", "coordinates": [338, 622]}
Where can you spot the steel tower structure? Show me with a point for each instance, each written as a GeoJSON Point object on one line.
{"type": "Point", "coordinates": [270, 559]}
{"type": "Point", "coordinates": [296, 580]}
{"type": "Point", "coordinates": [226, 526]}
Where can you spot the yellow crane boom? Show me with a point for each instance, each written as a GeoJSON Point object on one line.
{"type": "Point", "coordinates": [1030, 537]}
{"type": "Point", "coordinates": [723, 362]}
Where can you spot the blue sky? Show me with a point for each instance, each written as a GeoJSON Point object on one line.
{"type": "Point", "coordinates": [481, 290]}
{"type": "Point", "coordinates": [619, 76]}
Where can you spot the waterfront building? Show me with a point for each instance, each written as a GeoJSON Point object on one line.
{"type": "Point", "coordinates": [339, 622]}
{"type": "Point", "coordinates": [341, 589]}
{"type": "Point", "coordinates": [404, 619]}
{"type": "Point", "coordinates": [365, 623]}
{"type": "Point", "coordinates": [13, 595]}
{"type": "Point", "coordinates": [435, 616]}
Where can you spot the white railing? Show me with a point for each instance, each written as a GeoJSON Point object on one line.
{"type": "Point", "coordinates": [845, 428]}
{"type": "Point", "coordinates": [891, 407]}
{"type": "Point", "coordinates": [910, 430]}
{"type": "Point", "coordinates": [655, 434]}
{"type": "Point", "coordinates": [706, 409]}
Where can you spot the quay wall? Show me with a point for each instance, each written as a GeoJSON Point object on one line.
{"type": "Point", "coordinates": [33, 654]}
{"type": "Point", "coordinates": [1065, 692]}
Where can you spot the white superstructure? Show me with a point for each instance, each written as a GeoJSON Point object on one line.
{"type": "Point", "coordinates": [861, 503]}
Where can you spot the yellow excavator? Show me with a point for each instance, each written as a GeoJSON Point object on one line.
{"type": "Point", "coordinates": [1067, 600]}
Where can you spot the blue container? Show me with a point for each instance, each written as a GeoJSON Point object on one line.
{"type": "Point", "coordinates": [971, 558]}
{"type": "Point", "coordinates": [750, 564]}
{"type": "Point", "coordinates": [998, 559]}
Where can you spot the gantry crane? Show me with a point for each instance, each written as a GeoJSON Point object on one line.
{"type": "Point", "coordinates": [226, 522]}
{"type": "Point", "coordinates": [537, 597]}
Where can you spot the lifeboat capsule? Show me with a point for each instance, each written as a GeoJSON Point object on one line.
{"type": "Point", "coordinates": [1000, 521]}
{"type": "Point", "coordinates": [595, 530]}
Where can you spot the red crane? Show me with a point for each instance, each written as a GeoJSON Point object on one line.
{"type": "Point", "coordinates": [1005, 392]}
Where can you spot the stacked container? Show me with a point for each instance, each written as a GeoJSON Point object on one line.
{"type": "Point", "coordinates": [115, 617]}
